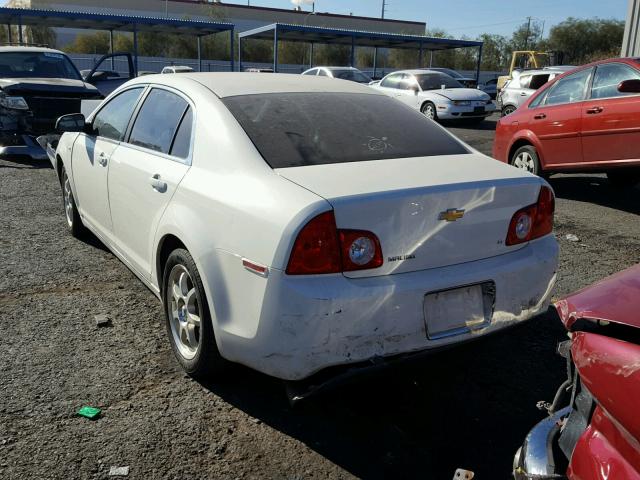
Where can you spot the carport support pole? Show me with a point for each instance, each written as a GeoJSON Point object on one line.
{"type": "Point", "coordinates": [431, 58]}
{"type": "Point", "coordinates": [9, 35]}
{"type": "Point", "coordinates": [420, 58]}
{"type": "Point", "coordinates": [375, 60]}
{"type": "Point", "coordinates": [239, 53]}
{"type": "Point", "coordinates": [198, 38]}
{"type": "Point", "coordinates": [353, 51]}
{"type": "Point", "coordinates": [113, 61]}
{"type": "Point", "coordinates": [135, 50]}
{"type": "Point", "coordinates": [275, 49]}
{"type": "Point", "coordinates": [311, 56]}
{"type": "Point", "coordinates": [479, 61]}
{"type": "Point", "coordinates": [232, 35]}
{"type": "Point", "coordinates": [20, 30]}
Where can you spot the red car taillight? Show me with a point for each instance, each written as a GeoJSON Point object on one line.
{"type": "Point", "coordinates": [534, 221]}
{"type": "Point", "coordinates": [321, 248]}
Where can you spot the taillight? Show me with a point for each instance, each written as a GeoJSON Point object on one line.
{"type": "Point", "coordinates": [321, 248]}
{"type": "Point", "coordinates": [534, 221]}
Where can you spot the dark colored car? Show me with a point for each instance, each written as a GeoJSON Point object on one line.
{"type": "Point", "coordinates": [37, 85]}
{"type": "Point", "coordinates": [597, 436]}
{"type": "Point", "coordinates": [586, 120]}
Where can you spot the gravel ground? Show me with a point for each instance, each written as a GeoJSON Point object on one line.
{"type": "Point", "coordinates": [467, 407]}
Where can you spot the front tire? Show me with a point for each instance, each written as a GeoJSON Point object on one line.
{"type": "Point", "coordinates": [526, 158]}
{"type": "Point", "coordinates": [187, 317]}
{"type": "Point", "coordinates": [74, 222]}
{"type": "Point", "coordinates": [624, 178]}
{"type": "Point", "coordinates": [428, 109]}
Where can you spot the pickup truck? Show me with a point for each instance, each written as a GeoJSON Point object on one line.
{"type": "Point", "coordinates": [38, 85]}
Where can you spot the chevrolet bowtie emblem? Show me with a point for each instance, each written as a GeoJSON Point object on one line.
{"type": "Point", "coordinates": [451, 215]}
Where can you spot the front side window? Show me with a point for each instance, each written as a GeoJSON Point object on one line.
{"type": "Point", "coordinates": [435, 81]}
{"type": "Point", "coordinates": [569, 89]}
{"type": "Point", "coordinates": [301, 129]}
{"type": "Point", "coordinates": [322, 73]}
{"type": "Point", "coordinates": [37, 65]}
{"type": "Point", "coordinates": [158, 120]}
{"type": "Point", "coordinates": [311, 72]}
{"type": "Point", "coordinates": [112, 120]}
{"type": "Point", "coordinates": [391, 81]}
{"type": "Point", "coordinates": [608, 77]}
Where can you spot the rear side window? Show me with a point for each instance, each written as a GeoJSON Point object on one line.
{"type": "Point", "coordinates": [112, 119]}
{"type": "Point", "coordinates": [391, 81]}
{"type": "Point", "coordinates": [182, 142]}
{"type": "Point", "coordinates": [299, 129]}
{"type": "Point", "coordinates": [569, 89]}
{"type": "Point", "coordinates": [608, 77]}
{"type": "Point", "coordinates": [538, 80]}
{"type": "Point", "coordinates": [158, 120]}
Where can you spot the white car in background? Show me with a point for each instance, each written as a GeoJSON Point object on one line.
{"type": "Point", "coordinates": [524, 84]}
{"type": "Point", "coordinates": [177, 69]}
{"type": "Point", "coordinates": [343, 73]}
{"type": "Point", "coordinates": [437, 95]}
{"type": "Point", "coordinates": [292, 223]}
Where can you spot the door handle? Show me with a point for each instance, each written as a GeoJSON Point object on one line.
{"type": "Point", "coordinates": [539, 116]}
{"type": "Point", "coordinates": [157, 184]}
{"type": "Point", "coordinates": [595, 110]}
{"type": "Point", "coordinates": [523, 94]}
{"type": "Point", "coordinates": [102, 159]}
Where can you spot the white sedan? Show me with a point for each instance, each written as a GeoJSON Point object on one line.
{"type": "Point", "coordinates": [292, 223]}
{"type": "Point", "coordinates": [437, 95]}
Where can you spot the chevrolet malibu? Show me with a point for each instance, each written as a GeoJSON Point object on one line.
{"type": "Point", "coordinates": [293, 223]}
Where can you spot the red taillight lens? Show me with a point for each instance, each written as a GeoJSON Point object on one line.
{"type": "Point", "coordinates": [316, 249]}
{"type": "Point", "coordinates": [534, 221]}
{"type": "Point", "coordinates": [360, 250]}
{"type": "Point", "coordinates": [322, 248]}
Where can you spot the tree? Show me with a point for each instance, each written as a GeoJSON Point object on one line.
{"type": "Point", "coordinates": [584, 40]}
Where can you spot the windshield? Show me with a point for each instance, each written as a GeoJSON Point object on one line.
{"type": "Point", "coordinates": [353, 75]}
{"type": "Point", "coordinates": [37, 65]}
{"type": "Point", "coordinates": [434, 81]}
{"type": "Point", "coordinates": [300, 129]}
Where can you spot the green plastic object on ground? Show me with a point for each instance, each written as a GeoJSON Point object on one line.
{"type": "Point", "coordinates": [90, 412]}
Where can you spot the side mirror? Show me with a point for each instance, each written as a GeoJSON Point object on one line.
{"type": "Point", "coordinates": [629, 86]}
{"type": "Point", "coordinates": [73, 122]}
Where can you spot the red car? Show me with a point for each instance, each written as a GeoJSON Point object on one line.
{"type": "Point", "coordinates": [586, 120]}
{"type": "Point", "coordinates": [597, 437]}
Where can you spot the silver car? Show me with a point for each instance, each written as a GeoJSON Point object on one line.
{"type": "Point", "coordinates": [344, 73]}
{"type": "Point", "coordinates": [523, 84]}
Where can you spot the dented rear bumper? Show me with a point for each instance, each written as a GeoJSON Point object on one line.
{"type": "Point", "coordinates": [304, 324]}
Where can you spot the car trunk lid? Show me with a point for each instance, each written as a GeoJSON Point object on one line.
{"type": "Point", "coordinates": [427, 212]}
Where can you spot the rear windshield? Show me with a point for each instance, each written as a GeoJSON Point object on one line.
{"type": "Point", "coordinates": [299, 129]}
{"type": "Point", "coordinates": [37, 65]}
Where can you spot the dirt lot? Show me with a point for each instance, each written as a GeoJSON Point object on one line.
{"type": "Point", "coordinates": [469, 407]}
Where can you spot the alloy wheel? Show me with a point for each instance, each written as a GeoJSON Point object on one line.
{"type": "Point", "coordinates": [525, 161]}
{"type": "Point", "coordinates": [68, 200]}
{"type": "Point", "coordinates": [185, 314]}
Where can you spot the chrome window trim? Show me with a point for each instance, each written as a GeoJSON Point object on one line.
{"type": "Point", "coordinates": [189, 159]}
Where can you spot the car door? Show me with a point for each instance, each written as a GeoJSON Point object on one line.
{"type": "Point", "coordinates": [92, 153]}
{"type": "Point", "coordinates": [107, 83]}
{"type": "Point", "coordinates": [611, 119]}
{"type": "Point", "coordinates": [146, 170]}
{"type": "Point", "coordinates": [555, 118]}
{"type": "Point", "coordinates": [407, 91]}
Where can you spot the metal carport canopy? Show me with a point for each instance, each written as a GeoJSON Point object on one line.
{"type": "Point", "coordinates": [359, 38]}
{"type": "Point", "coordinates": [111, 22]}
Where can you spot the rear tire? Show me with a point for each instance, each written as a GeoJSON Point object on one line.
{"type": "Point", "coordinates": [624, 178]}
{"type": "Point", "coordinates": [526, 158]}
{"type": "Point", "coordinates": [508, 110]}
{"type": "Point", "coordinates": [428, 109]}
{"type": "Point", "coordinates": [187, 318]}
{"type": "Point", "coordinates": [74, 222]}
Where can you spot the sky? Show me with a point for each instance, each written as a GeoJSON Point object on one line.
{"type": "Point", "coordinates": [467, 17]}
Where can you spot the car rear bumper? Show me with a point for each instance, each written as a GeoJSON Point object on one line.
{"type": "Point", "coordinates": [294, 326]}
{"type": "Point", "coordinates": [20, 146]}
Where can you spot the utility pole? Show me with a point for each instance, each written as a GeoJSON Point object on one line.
{"type": "Point", "coordinates": [526, 39]}
{"type": "Point", "coordinates": [384, 7]}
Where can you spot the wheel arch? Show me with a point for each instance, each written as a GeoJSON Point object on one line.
{"type": "Point", "coordinates": [167, 244]}
{"type": "Point", "coordinates": [523, 140]}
